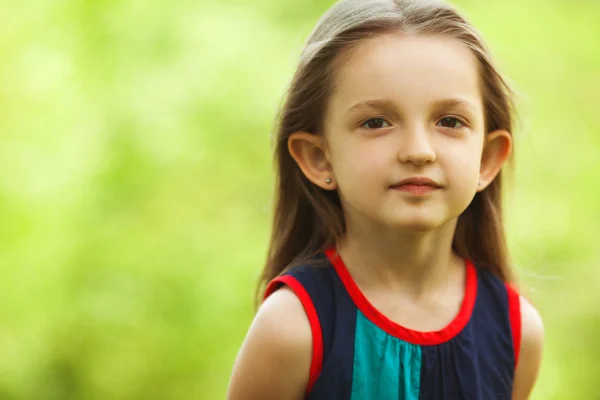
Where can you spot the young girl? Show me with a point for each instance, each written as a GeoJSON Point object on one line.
{"type": "Point", "coordinates": [388, 272]}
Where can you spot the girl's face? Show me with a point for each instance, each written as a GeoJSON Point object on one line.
{"type": "Point", "coordinates": [406, 108]}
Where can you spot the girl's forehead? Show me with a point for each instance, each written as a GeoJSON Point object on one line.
{"type": "Point", "coordinates": [407, 69]}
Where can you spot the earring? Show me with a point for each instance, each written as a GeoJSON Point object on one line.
{"type": "Point", "coordinates": [480, 183]}
{"type": "Point", "coordinates": [328, 180]}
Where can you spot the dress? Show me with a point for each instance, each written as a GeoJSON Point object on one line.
{"type": "Point", "coordinates": [359, 354]}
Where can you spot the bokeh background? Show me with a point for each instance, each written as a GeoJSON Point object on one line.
{"type": "Point", "coordinates": [136, 183]}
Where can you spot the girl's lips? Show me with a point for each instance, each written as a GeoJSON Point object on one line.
{"type": "Point", "coordinates": [417, 185]}
{"type": "Point", "coordinates": [415, 189]}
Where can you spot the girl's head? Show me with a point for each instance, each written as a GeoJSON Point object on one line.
{"type": "Point", "coordinates": [388, 90]}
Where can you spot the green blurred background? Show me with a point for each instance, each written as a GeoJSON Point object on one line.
{"type": "Point", "coordinates": [136, 182]}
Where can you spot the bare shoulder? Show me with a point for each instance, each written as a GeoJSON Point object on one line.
{"type": "Point", "coordinates": [532, 324]}
{"type": "Point", "coordinates": [274, 359]}
{"type": "Point", "coordinates": [532, 342]}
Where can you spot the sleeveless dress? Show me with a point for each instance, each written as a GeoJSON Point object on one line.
{"type": "Point", "coordinates": [360, 354]}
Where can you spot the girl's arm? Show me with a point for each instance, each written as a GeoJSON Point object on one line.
{"type": "Point", "coordinates": [532, 338]}
{"type": "Point", "coordinates": [274, 360]}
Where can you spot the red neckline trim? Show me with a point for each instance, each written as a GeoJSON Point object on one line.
{"type": "Point", "coordinates": [394, 329]}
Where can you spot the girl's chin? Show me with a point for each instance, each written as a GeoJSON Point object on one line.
{"type": "Point", "coordinates": [417, 224]}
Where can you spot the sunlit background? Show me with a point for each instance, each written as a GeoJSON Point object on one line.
{"type": "Point", "coordinates": [136, 182]}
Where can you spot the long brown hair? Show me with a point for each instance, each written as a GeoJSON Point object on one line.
{"type": "Point", "coordinates": [308, 219]}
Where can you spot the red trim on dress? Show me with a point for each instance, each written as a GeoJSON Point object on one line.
{"type": "Point", "coordinates": [394, 329]}
{"type": "Point", "coordinates": [315, 326]}
{"type": "Point", "coordinates": [514, 314]}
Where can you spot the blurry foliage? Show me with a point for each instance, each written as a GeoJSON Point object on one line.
{"type": "Point", "coordinates": [136, 181]}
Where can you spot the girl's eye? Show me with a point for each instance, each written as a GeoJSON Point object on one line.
{"type": "Point", "coordinates": [375, 123]}
{"type": "Point", "coordinates": [450, 122]}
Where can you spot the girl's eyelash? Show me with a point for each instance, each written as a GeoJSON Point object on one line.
{"type": "Point", "coordinates": [448, 118]}
{"type": "Point", "coordinates": [362, 124]}
{"type": "Point", "coordinates": [453, 118]}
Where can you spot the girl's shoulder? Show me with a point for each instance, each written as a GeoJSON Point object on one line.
{"type": "Point", "coordinates": [532, 343]}
{"type": "Point", "coordinates": [274, 360]}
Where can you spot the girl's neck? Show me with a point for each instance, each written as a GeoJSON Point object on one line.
{"type": "Point", "coordinates": [414, 262]}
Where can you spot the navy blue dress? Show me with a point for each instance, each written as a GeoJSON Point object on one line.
{"type": "Point", "coordinates": [359, 354]}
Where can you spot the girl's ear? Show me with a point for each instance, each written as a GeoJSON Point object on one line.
{"type": "Point", "coordinates": [496, 150]}
{"type": "Point", "coordinates": [310, 153]}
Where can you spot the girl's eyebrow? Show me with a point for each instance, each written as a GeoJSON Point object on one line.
{"type": "Point", "coordinates": [377, 103]}
{"type": "Point", "coordinates": [437, 104]}
{"type": "Point", "coordinates": [455, 102]}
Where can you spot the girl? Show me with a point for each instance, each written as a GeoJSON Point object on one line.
{"type": "Point", "coordinates": [388, 274]}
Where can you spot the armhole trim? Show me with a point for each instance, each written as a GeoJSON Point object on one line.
{"type": "Point", "coordinates": [316, 363]}
{"type": "Point", "coordinates": [514, 314]}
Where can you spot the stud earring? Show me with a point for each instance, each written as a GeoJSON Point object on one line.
{"type": "Point", "coordinates": [328, 180]}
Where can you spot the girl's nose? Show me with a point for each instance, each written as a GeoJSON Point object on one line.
{"type": "Point", "coordinates": [415, 147]}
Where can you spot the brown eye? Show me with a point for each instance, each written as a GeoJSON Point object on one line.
{"type": "Point", "coordinates": [375, 123]}
{"type": "Point", "coordinates": [450, 122]}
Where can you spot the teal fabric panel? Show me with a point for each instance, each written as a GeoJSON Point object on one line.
{"type": "Point", "coordinates": [385, 367]}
